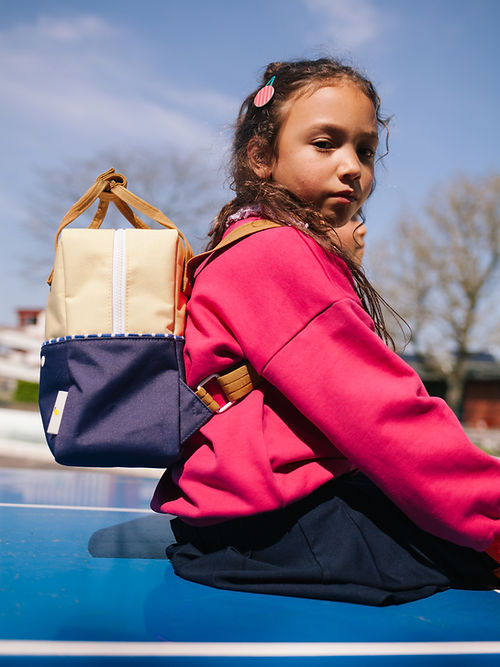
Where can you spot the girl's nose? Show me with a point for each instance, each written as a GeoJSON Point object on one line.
{"type": "Point", "coordinates": [349, 166]}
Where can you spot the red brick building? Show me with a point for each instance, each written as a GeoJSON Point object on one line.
{"type": "Point", "coordinates": [481, 402]}
{"type": "Point", "coordinates": [27, 316]}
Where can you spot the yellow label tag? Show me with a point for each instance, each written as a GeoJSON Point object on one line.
{"type": "Point", "coordinates": [57, 413]}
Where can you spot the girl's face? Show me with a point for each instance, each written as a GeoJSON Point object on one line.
{"type": "Point", "coordinates": [326, 150]}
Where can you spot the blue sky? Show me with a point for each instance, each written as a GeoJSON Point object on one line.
{"type": "Point", "coordinates": [76, 78]}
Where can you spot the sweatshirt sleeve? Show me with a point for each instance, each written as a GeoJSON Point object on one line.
{"type": "Point", "coordinates": [374, 409]}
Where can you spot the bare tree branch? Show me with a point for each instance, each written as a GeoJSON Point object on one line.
{"type": "Point", "coordinates": [441, 273]}
{"type": "Point", "coordinates": [182, 186]}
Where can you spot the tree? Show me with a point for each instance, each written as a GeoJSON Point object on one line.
{"type": "Point", "coordinates": [441, 275]}
{"type": "Point", "coordinates": [184, 187]}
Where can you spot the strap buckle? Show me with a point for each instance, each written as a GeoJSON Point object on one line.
{"type": "Point", "coordinates": [208, 399]}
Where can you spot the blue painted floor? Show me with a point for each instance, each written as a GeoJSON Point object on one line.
{"type": "Point", "coordinates": [84, 580]}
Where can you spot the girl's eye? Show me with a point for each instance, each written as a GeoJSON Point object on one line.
{"type": "Point", "coordinates": [367, 153]}
{"type": "Point", "coordinates": [323, 144]}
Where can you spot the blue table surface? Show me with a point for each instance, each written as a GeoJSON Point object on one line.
{"type": "Point", "coordinates": [82, 559]}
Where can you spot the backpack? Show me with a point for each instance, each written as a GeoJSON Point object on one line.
{"type": "Point", "coordinates": [112, 383]}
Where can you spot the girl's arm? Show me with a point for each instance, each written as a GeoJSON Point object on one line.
{"type": "Point", "coordinates": [375, 410]}
{"type": "Point", "coordinates": [292, 312]}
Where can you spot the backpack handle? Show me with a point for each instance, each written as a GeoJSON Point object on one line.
{"type": "Point", "coordinates": [104, 200]}
{"type": "Point", "coordinates": [112, 187]}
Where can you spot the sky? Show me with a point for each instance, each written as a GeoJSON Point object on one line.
{"type": "Point", "coordinates": [79, 78]}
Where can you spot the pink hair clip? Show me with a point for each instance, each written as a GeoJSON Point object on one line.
{"type": "Point", "coordinates": [264, 94]}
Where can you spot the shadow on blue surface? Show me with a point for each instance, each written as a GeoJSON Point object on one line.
{"type": "Point", "coordinates": [145, 537]}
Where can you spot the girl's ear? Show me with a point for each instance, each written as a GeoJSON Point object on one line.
{"type": "Point", "coordinates": [259, 158]}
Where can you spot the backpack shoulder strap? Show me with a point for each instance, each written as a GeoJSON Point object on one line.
{"type": "Point", "coordinates": [241, 379]}
{"type": "Point", "coordinates": [233, 237]}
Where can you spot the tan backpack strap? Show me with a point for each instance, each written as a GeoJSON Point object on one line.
{"type": "Point", "coordinates": [241, 380]}
{"type": "Point", "coordinates": [100, 214]}
{"type": "Point", "coordinates": [239, 233]}
{"type": "Point", "coordinates": [128, 197]}
{"type": "Point", "coordinates": [86, 200]}
{"type": "Point", "coordinates": [104, 199]}
{"type": "Point", "coordinates": [111, 186]}
{"type": "Point", "coordinates": [235, 385]}
{"type": "Point", "coordinates": [208, 399]}
{"type": "Point", "coordinates": [152, 212]}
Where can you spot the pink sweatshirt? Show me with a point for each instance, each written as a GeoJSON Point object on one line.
{"type": "Point", "coordinates": [334, 398]}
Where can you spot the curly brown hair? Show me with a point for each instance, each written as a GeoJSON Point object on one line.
{"type": "Point", "coordinates": [261, 126]}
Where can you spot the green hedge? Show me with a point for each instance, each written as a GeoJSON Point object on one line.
{"type": "Point", "coordinates": [26, 392]}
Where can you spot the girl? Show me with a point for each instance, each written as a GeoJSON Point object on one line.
{"type": "Point", "coordinates": [338, 477]}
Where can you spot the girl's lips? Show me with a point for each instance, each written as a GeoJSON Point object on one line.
{"type": "Point", "coordinates": [345, 197]}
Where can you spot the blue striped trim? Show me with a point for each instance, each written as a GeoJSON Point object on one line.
{"type": "Point", "coordinates": [64, 339]}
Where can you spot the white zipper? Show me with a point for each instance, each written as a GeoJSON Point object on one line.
{"type": "Point", "coordinates": [119, 281]}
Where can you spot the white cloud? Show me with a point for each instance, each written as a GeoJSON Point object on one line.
{"type": "Point", "coordinates": [75, 88]}
{"type": "Point", "coordinates": [348, 23]}
{"type": "Point", "coordinates": [74, 30]}
{"type": "Point", "coordinates": [58, 83]}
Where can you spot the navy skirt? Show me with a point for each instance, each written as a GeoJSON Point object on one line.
{"type": "Point", "coordinates": [347, 541]}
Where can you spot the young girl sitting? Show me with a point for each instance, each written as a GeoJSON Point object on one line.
{"type": "Point", "coordinates": [337, 477]}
